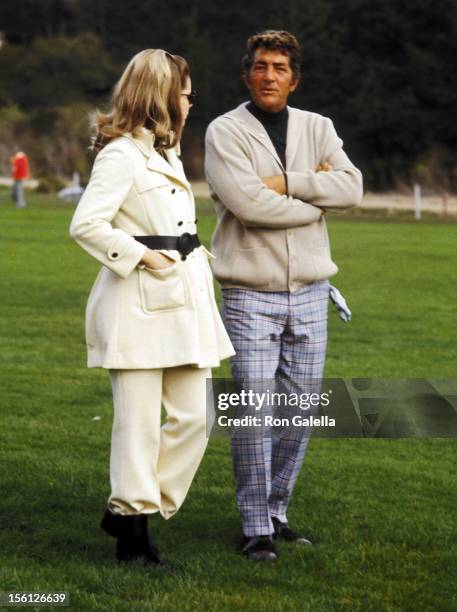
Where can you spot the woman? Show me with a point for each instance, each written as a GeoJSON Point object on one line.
{"type": "Point", "coordinates": [151, 318]}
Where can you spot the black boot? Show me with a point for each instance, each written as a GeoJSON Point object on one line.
{"type": "Point", "coordinates": [131, 532]}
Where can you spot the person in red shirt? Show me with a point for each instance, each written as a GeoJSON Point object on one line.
{"type": "Point", "coordinates": [19, 172]}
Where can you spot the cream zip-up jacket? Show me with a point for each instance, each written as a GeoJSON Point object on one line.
{"type": "Point", "coordinates": [265, 241]}
{"type": "Point", "coordinates": [137, 318]}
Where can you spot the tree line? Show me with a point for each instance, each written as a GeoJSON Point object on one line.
{"type": "Point", "coordinates": [383, 70]}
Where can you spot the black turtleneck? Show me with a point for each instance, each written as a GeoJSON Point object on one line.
{"type": "Point", "coordinates": [276, 126]}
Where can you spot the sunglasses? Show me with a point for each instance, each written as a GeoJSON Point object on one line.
{"type": "Point", "coordinates": [192, 96]}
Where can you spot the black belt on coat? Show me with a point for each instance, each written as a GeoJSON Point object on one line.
{"type": "Point", "coordinates": [185, 243]}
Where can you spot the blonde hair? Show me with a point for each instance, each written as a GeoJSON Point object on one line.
{"type": "Point", "coordinates": [147, 94]}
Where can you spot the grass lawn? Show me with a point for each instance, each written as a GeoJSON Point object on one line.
{"type": "Point", "coordinates": [382, 513]}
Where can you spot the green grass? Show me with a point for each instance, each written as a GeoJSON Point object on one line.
{"type": "Point", "coordinates": [382, 513]}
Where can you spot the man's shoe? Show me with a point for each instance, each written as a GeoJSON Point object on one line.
{"type": "Point", "coordinates": [284, 532]}
{"type": "Point", "coordinates": [132, 536]}
{"type": "Point", "coordinates": [259, 548]}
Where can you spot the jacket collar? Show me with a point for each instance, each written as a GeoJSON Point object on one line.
{"type": "Point", "coordinates": [256, 129]}
{"type": "Point", "coordinates": [171, 166]}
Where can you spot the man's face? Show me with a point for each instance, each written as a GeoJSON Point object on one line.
{"type": "Point", "coordinates": [270, 80]}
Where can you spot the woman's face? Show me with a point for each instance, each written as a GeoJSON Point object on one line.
{"type": "Point", "coordinates": [184, 99]}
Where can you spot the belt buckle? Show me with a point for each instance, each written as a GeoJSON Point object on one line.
{"type": "Point", "coordinates": [185, 245]}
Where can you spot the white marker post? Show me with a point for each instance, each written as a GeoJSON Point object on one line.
{"type": "Point", "coordinates": [417, 202]}
{"type": "Point", "coordinates": [444, 204]}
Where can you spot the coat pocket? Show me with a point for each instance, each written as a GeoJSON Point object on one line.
{"type": "Point", "coordinates": [161, 289]}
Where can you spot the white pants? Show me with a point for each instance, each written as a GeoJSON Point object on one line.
{"type": "Point", "coordinates": [152, 467]}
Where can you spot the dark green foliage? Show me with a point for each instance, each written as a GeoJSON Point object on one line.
{"type": "Point", "coordinates": [384, 70]}
{"type": "Point", "coordinates": [56, 71]}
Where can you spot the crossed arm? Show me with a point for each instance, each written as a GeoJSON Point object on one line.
{"type": "Point", "coordinates": [232, 178]}
{"type": "Point", "coordinates": [335, 184]}
{"type": "Point", "coordinates": [262, 201]}
{"type": "Point", "coordinates": [278, 182]}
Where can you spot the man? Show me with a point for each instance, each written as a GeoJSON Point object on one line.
{"type": "Point", "coordinates": [273, 171]}
{"type": "Point", "coordinates": [19, 172]}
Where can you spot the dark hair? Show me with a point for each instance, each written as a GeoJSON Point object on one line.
{"type": "Point", "coordinates": [147, 94]}
{"type": "Point", "coordinates": [275, 40]}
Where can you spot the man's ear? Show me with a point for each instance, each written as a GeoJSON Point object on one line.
{"type": "Point", "coordinates": [294, 84]}
{"type": "Point", "coordinates": [246, 79]}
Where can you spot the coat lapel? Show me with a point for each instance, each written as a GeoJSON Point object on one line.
{"type": "Point", "coordinates": [170, 167]}
{"type": "Point", "coordinates": [255, 128]}
{"type": "Point", "coordinates": [292, 137]}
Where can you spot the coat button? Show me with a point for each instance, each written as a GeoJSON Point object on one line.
{"type": "Point", "coordinates": [173, 190]}
{"type": "Point", "coordinates": [115, 255]}
{"type": "Point", "coordinates": [180, 222]}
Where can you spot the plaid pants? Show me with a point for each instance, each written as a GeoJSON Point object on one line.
{"type": "Point", "coordinates": [279, 337]}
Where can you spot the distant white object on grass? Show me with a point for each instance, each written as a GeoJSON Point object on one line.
{"type": "Point", "coordinates": [72, 193]}
{"type": "Point", "coordinates": [97, 418]}
{"type": "Point", "coordinates": [417, 202]}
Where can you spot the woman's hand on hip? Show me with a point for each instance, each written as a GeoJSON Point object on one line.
{"type": "Point", "coordinates": [156, 261]}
